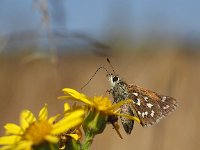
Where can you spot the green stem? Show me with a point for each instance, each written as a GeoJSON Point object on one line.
{"type": "Point", "coordinates": [88, 140]}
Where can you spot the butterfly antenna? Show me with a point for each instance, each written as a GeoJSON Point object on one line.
{"type": "Point", "coordinates": [94, 75]}
{"type": "Point", "coordinates": [108, 60]}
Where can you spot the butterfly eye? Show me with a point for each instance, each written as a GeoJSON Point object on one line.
{"type": "Point", "coordinates": [115, 79]}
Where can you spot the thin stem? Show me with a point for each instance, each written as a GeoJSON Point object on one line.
{"type": "Point", "coordinates": [88, 140]}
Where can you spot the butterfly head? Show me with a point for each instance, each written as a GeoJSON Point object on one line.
{"type": "Point", "coordinates": [114, 79]}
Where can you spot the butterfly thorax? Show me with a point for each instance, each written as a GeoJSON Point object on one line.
{"type": "Point", "coordinates": [119, 88]}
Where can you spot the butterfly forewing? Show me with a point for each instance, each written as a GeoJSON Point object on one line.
{"type": "Point", "coordinates": [150, 106]}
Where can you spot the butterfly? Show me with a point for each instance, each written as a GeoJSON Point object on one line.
{"type": "Point", "coordinates": [149, 106]}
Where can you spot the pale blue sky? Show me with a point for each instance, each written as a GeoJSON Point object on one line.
{"type": "Point", "coordinates": [95, 16]}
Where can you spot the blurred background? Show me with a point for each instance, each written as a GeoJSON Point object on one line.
{"type": "Point", "coordinates": [46, 45]}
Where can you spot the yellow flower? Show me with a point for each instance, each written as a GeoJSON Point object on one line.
{"type": "Point", "coordinates": [99, 103]}
{"type": "Point", "coordinates": [33, 132]}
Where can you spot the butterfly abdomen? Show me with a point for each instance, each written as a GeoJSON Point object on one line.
{"type": "Point", "coordinates": [127, 123]}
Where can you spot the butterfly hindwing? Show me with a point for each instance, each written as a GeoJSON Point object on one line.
{"type": "Point", "coordinates": [149, 106]}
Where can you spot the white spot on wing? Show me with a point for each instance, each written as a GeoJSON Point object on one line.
{"type": "Point", "coordinates": [149, 105]}
{"type": "Point", "coordinates": [145, 98]}
{"type": "Point", "coordinates": [152, 113]}
{"type": "Point", "coordinates": [138, 101]}
{"type": "Point", "coordinates": [136, 94]}
{"type": "Point", "coordinates": [165, 107]}
{"type": "Point", "coordinates": [139, 113]}
{"type": "Point", "coordinates": [144, 114]}
{"type": "Point", "coordinates": [157, 120]}
{"type": "Point", "coordinates": [164, 98]}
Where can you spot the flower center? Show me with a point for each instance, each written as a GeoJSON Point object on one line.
{"type": "Point", "coordinates": [37, 132]}
{"type": "Point", "coordinates": [102, 104]}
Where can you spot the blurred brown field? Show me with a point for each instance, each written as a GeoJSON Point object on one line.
{"type": "Point", "coordinates": [29, 84]}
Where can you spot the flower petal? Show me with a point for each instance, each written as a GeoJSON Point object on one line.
{"type": "Point", "coordinates": [51, 120]}
{"type": "Point", "coordinates": [74, 136]}
{"type": "Point", "coordinates": [5, 140]}
{"type": "Point", "coordinates": [117, 105]}
{"type": "Point", "coordinates": [26, 118]}
{"type": "Point", "coordinates": [7, 147]}
{"type": "Point", "coordinates": [128, 116]}
{"type": "Point", "coordinates": [13, 129]}
{"type": "Point", "coordinates": [43, 114]}
{"type": "Point", "coordinates": [66, 107]}
{"type": "Point", "coordinates": [24, 145]}
{"type": "Point", "coordinates": [79, 96]}
{"type": "Point", "coordinates": [71, 120]}
{"type": "Point", "coordinates": [67, 125]}
{"type": "Point", "coordinates": [52, 139]}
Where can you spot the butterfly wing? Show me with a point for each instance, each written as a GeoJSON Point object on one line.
{"type": "Point", "coordinates": [150, 106]}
